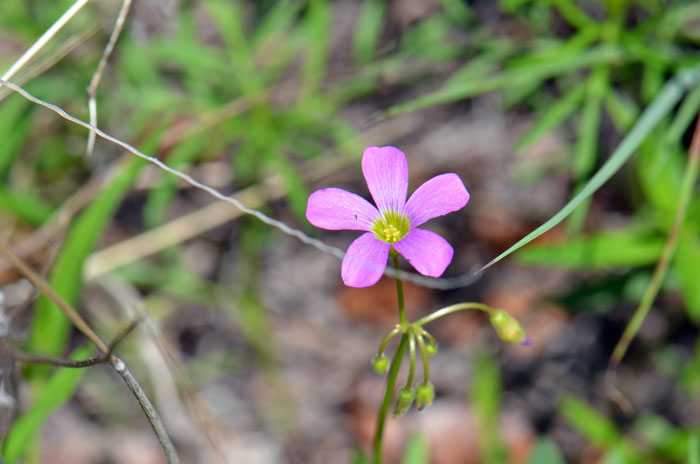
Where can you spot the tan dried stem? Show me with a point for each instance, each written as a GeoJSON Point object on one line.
{"type": "Point", "coordinates": [97, 76]}
{"type": "Point", "coordinates": [657, 279]}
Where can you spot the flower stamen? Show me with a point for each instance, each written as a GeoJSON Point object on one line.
{"type": "Point", "coordinates": [391, 227]}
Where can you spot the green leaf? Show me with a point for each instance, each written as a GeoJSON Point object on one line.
{"type": "Point", "coordinates": [615, 456]}
{"type": "Point", "coordinates": [485, 399]}
{"type": "Point", "coordinates": [667, 441]}
{"type": "Point", "coordinates": [368, 29]}
{"type": "Point", "coordinates": [58, 391]}
{"type": "Point", "coordinates": [620, 248]}
{"type": "Point", "coordinates": [50, 327]}
{"type": "Point", "coordinates": [416, 451]}
{"type": "Point", "coordinates": [15, 123]}
{"type": "Point", "coordinates": [555, 115]}
{"type": "Point", "coordinates": [593, 425]}
{"type": "Point", "coordinates": [359, 457]}
{"type": "Point", "coordinates": [659, 108]}
{"type": "Point", "coordinates": [694, 449]}
{"type": "Point", "coordinates": [686, 264]}
{"type": "Point", "coordinates": [28, 207]}
{"type": "Point", "coordinates": [510, 77]}
{"type": "Point", "coordinates": [546, 452]}
{"type": "Point", "coordinates": [687, 113]}
{"type": "Point", "coordinates": [316, 29]}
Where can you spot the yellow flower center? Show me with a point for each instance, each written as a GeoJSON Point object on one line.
{"type": "Point", "coordinates": [391, 227]}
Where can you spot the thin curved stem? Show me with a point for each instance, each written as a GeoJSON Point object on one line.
{"type": "Point", "coordinates": [640, 314]}
{"type": "Point", "coordinates": [411, 358]}
{"type": "Point", "coordinates": [426, 334]}
{"type": "Point", "coordinates": [388, 396]}
{"type": "Point", "coordinates": [424, 356]}
{"type": "Point", "coordinates": [453, 309]}
{"type": "Point", "coordinates": [387, 339]}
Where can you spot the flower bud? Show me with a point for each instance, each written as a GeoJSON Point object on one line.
{"type": "Point", "coordinates": [425, 394]}
{"type": "Point", "coordinates": [431, 348]}
{"type": "Point", "coordinates": [380, 363]}
{"type": "Point", "coordinates": [404, 400]}
{"type": "Point", "coordinates": [508, 328]}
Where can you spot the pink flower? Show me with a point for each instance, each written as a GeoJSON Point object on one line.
{"type": "Point", "coordinates": [394, 224]}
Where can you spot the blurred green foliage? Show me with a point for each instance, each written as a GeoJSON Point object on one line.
{"type": "Point", "coordinates": [224, 74]}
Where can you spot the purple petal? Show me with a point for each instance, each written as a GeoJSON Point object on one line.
{"type": "Point", "coordinates": [527, 341]}
{"type": "Point", "coordinates": [426, 251]}
{"type": "Point", "coordinates": [364, 262]}
{"type": "Point", "coordinates": [338, 209]}
{"type": "Point", "coordinates": [440, 195]}
{"type": "Point", "coordinates": [386, 173]}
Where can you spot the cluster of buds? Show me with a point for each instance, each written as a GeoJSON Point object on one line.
{"type": "Point", "coordinates": [506, 327]}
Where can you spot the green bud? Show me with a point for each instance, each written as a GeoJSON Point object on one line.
{"type": "Point", "coordinates": [507, 327]}
{"type": "Point", "coordinates": [380, 363]}
{"type": "Point", "coordinates": [404, 400]}
{"type": "Point", "coordinates": [431, 348]}
{"type": "Point", "coordinates": [425, 394]}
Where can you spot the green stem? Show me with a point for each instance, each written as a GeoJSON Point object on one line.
{"type": "Point", "coordinates": [399, 292]}
{"type": "Point", "coordinates": [691, 175]}
{"type": "Point", "coordinates": [387, 339]}
{"type": "Point", "coordinates": [411, 358]}
{"type": "Point", "coordinates": [426, 334]}
{"type": "Point", "coordinates": [424, 355]}
{"type": "Point", "coordinates": [388, 396]}
{"type": "Point", "coordinates": [453, 309]}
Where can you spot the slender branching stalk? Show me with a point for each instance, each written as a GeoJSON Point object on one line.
{"type": "Point", "coordinates": [640, 314]}
{"type": "Point", "coordinates": [117, 364]}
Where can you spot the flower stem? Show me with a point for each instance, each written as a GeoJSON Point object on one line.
{"type": "Point", "coordinates": [424, 356]}
{"type": "Point", "coordinates": [411, 358]}
{"type": "Point", "coordinates": [399, 292]}
{"type": "Point", "coordinates": [388, 396]}
{"type": "Point", "coordinates": [453, 309]}
{"type": "Point", "coordinates": [387, 339]}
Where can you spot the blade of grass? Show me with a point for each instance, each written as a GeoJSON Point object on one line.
{"type": "Point", "coordinates": [416, 451]}
{"type": "Point", "coordinates": [368, 30]}
{"type": "Point", "coordinates": [485, 399]}
{"type": "Point", "coordinates": [546, 452]}
{"type": "Point", "coordinates": [620, 248]}
{"type": "Point", "coordinates": [50, 328]}
{"type": "Point", "coordinates": [587, 142]}
{"type": "Point", "coordinates": [659, 108]}
{"type": "Point", "coordinates": [58, 391]}
{"type": "Point", "coordinates": [28, 207]}
{"type": "Point", "coordinates": [640, 314]}
{"type": "Point", "coordinates": [555, 115]}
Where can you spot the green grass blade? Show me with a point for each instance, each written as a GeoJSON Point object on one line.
{"type": "Point", "coordinates": [50, 328]}
{"type": "Point", "coordinates": [686, 114]}
{"type": "Point", "coordinates": [58, 391]}
{"type": "Point", "coordinates": [546, 452]}
{"type": "Point", "coordinates": [621, 248]}
{"type": "Point", "coordinates": [28, 207]}
{"type": "Point", "coordinates": [622, 110]}
{"type": "Point", "coordinates": [515, 76]}
{"type": "Point", "coordinates": [686, 265]}
{"type": "Point", "coordinates": [587, 143]}
{"type": "Point", "coordinates": [15, 123]}
{"type": "Point", "coordinates": [368, 30]}
{"type": "Point", "coordinates": [555, 115]}
{"type": "Point", "coordinates": [593, 425]}
{"type": "Point", "coordinates": [485, 399]}
{"type": "Point", "coordinates": [659, 108]}
{"type": "Point", "coordinates": [416, 451]}
{"type": "Point", "coordinates": [694, 449]}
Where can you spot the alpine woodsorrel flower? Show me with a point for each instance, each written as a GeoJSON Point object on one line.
{"type": "Point", "coordinates": [394, 222]}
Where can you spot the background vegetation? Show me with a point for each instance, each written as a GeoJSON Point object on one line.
{"type": "Point", "coordinates": [249, 346]}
